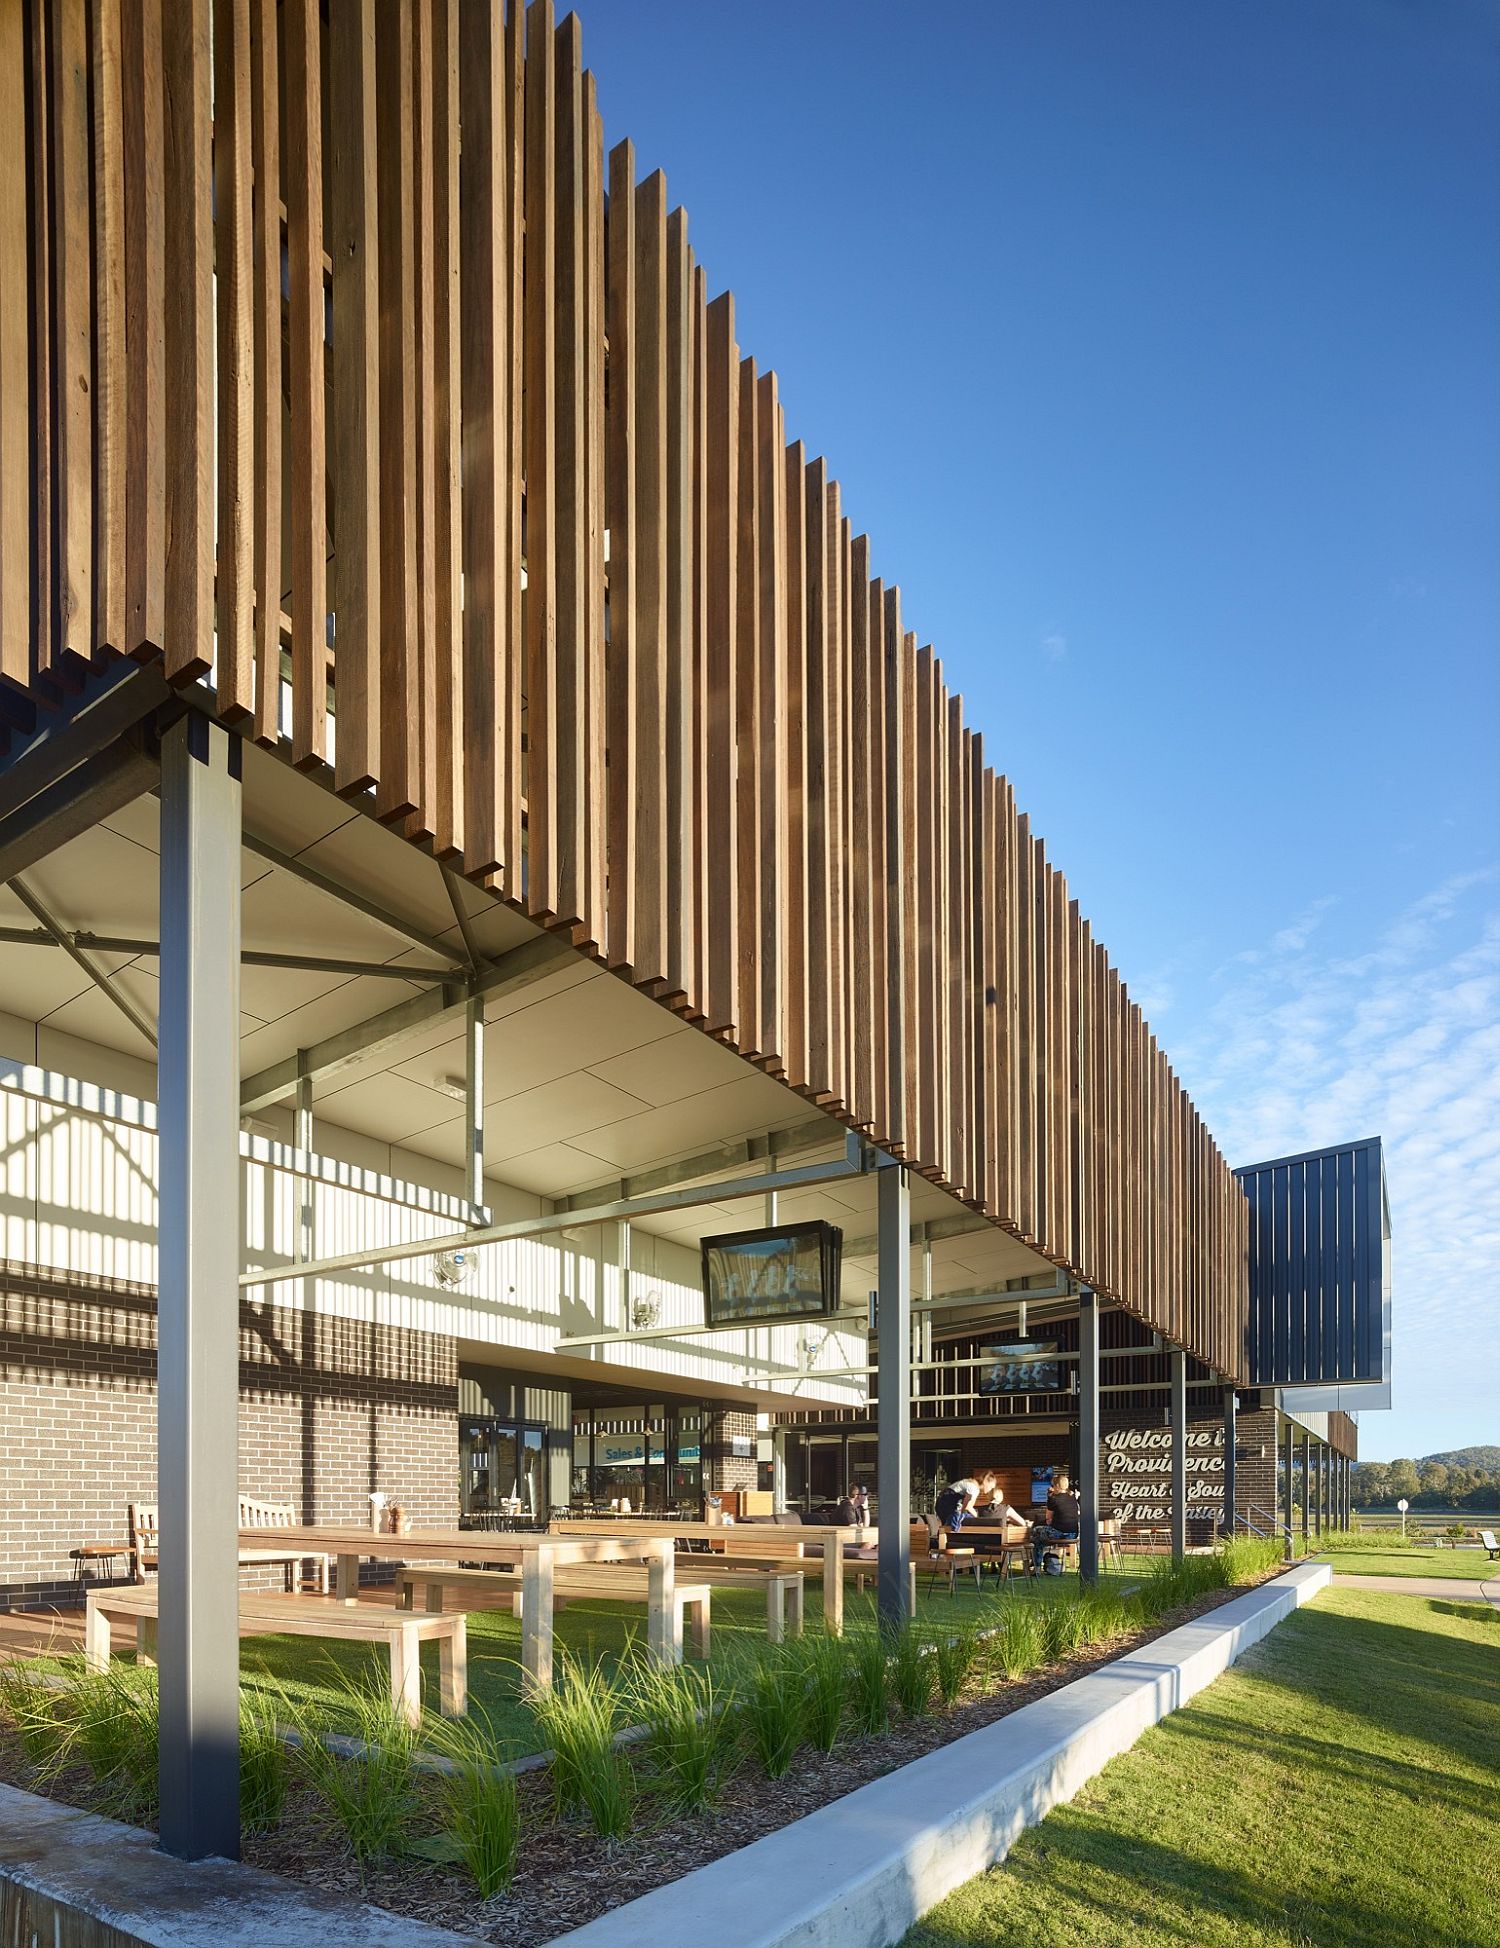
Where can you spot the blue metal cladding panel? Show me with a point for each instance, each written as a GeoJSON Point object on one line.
{"type": "Point", "coordinates": [1319, 1238]}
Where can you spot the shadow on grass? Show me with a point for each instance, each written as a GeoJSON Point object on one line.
{"type": "Point", "coordinates": [1232, 1895]}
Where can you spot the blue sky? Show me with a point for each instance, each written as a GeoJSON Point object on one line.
{"type": "Point", "coordinates": [1155, 346]}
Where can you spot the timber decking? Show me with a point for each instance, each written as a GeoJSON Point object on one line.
{"type": "Point", "coordinates": [704, 744]}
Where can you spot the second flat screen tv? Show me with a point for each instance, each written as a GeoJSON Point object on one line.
{"type": "Point", "coordinates": [1013, 1364]}
{"type": "Point", "coordinates": [788, 1271]}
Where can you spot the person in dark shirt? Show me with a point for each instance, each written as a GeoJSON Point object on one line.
{"type": "Point", "coordinates": [847, 1515]}
{"type": "Point", "coordinates": [1062, 1521]}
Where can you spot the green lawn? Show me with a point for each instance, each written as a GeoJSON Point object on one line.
{"type": "Point", "coordinates": [310, 1671]}
{"type": "Point", "coordinates": [1467, 1565]}
{"type": "Point", "coordinates": [1339, 1786]}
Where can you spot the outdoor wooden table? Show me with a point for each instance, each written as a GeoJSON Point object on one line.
{"type": "Point", "coordinates": [785, 1541]}
{"type": "Point", "coordinates": [535, 1555]}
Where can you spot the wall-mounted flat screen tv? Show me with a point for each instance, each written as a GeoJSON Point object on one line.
{"type": "Point", "coordinates": [1015, 1363]}
{"type": "Point", "coordinates": [789, 1271]}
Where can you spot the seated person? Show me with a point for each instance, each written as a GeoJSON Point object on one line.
{"type": "Point", "coordinates": [960, 1499]}
{"type": "Point", "coordinates": [847, 1514]}
{"type": "Point", "coordinates": [1062, 1521]}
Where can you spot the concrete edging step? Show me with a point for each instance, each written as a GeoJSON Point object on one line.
{"type": "Point", "coordinates": [74, 1877]}
{"type": "Point", "coordinates": [858, 1872]}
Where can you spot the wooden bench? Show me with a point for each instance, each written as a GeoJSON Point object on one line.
{"type": "Point", "coordinates": [404, 1631]}
{"type": "Point", "coordinates": [784, 1587]}
{"type": "Point", "coordinates": [625, 1583]}
{"type": "Point", "coordinates": [142, 1522]}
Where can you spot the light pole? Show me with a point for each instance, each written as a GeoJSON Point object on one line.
{"type": "Point", "coordinates": [1403, 1505]}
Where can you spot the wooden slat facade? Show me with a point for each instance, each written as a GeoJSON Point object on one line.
{"type": "Point", "coordinates": [557, 597]}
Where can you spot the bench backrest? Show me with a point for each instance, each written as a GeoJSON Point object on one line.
{"type": "Point", "coordinates": [1487, 1537]}
{"type": "Point", "coordinates": [141, 1516]}
{"type": "Point", "coordinates": [267, 1515]}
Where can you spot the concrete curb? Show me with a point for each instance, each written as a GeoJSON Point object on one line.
{"type": "Point", "coordinates": [73, 1877]}
{"type": "Point", "coordinates": [859, 1872]}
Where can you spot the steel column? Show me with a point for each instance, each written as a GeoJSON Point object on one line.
{"type": "Point", "coordinates": [778, 1469]}
{"type": "Point", "coordinates": [1306, 1483]}
{"type": "Point", "coordinates": [1088, 1435]}
{"type": "Point", "coordinates": [1230, 1494]}
{"type": "Point", "coordinates": [474, 1105]}
{"type": "Point", "coordinates": [198, 1271]}
{"type": "Point", "coordinates": [302, 1140]}
{"type": "Point", "coordinates": [1289, 1477]}
{"type": "Point", "coordinates": [893, 1340]}
{"type": "Point", "coordinates": [1179, 1451]}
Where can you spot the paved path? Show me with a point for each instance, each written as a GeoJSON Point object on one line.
{"type": "Point", "coordinates": [1449, 1586]}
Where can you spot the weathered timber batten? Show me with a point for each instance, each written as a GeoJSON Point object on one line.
{"type": "Point", "coordinates": [702, 741]}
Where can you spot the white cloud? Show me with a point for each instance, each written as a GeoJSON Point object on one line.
{"type": "Point", "coordinates": [1401, 1040]}
{"type": "Point", "coordinates": [1054, 647]}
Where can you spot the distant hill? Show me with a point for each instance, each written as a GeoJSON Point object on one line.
{"type": "Point", "coordinates": [1486, 1458]}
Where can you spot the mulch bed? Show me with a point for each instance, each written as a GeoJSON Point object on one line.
{"type": "Point", "coordinates": [568, 1876]}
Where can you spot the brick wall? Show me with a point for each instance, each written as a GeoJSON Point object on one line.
{"type": "Point", "coordinates": [330, 1409]}
{"type": "Point", "coordinates": [721, 1467]}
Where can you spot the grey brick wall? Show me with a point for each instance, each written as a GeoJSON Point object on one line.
{"type": "Point", "coordinates": [330, 1409]}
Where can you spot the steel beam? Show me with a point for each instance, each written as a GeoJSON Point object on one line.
{"type": "Point", "coordinates": [1230, 1489]}
{"type": "Point", "coordinates": [1088, 1435]}
{"type": "Point", "coordinates": [395, 923]}
{"type": "Point", "coordinates": [74, 803]}
{"type": "Point", "coordinates": [772, 1149]}
{"type": "Point", "coordinates": [893, 1417]}
{"type": "Point", "coordinates": [198, 1247]}
{"type": "Point", "coordinates": [533, 961]}
{"type": "Point", "coordinates": [109, 943]}
{"type": "Point", "coordinates": [455, 883]}
{"type": "Point", "coordinates": [1178, 1364]}
{"type": "Point", "coordinates": [536, 1227]}
{"type": "Point", "coordinates": [137, 1017]}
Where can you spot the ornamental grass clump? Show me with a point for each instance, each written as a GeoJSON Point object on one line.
{"type": "Point", "coordinates": [1246, 1558]}
{"type": "Point", "coordinates": [690, 1730]}
{"type": "Point", "coordinates": [113, 1720]}
{"type": "Point", "coordinates": [579, 1719]}
{"type": "Point", "coordinates": [957, 1660]}
{"type": "Point", "coordinates": [34, 1710]}
{"type": "Point", "coordinates": [772, 1710]}
{"type": "Point", "coordinates": [265, 1763]}
{"type": "Point", "coordinates": [475, 1802]}
{"type": "Point", "coordinates": [869, 1682]}
{"type": "Point", "coordinates": [911, 1669]}
{"type": "Point", "coordinates": [821, 1661]}
{"type": "Point", "coordinates": [365, 1785]}
{"type": "Point", "coordinates": [1020, 1643]}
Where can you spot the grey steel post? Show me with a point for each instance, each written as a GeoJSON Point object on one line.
{"type": "Point", "coordinates": [1289, 1477]}
{"type": "Point", "coordinates": [474, 1104]}
{"type": "Point", "coordinates": [1306, 1482]}
{"type": "Point", "coordinates": [198, 1089]}
{"type": "Point", "coordinates": [1088, 1435]}
{"type": "Point", "coordinates": [1179, 1451]}
{"type": "Point", "coordinates": [778, 1469]}
{"type": "Point", "coordinates": [1321, 1470]}
{"type": "Point", "coordinates": [893, 1425]}
{"type": "Point", "coordinates": [302, 1139]}
{"type": "Point", "coordinates": [1348, 1489]}
{"type": "Point", "coordinates": [1230, 1498]}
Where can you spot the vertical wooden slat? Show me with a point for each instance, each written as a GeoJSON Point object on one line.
{"type": "Point", "coordinates": [540, 466]}
{"type": "Point", "coordinates": [649, 342]}
{"type": "Point", "coordinates": [722, 373]}
{"type": "Point", "coordinates": [595, 389]}
{"type": "Point", "coordinates": [861, 712]}
{"type": "Point", "coordinates": [570, 512]}
{"type": "Point", "coordinates": [747, 719]}
{"type": "Point", "coordinates": [834, 668]}
{"type": "Point", "coordinates": [106, 83]}
{"type": "Point", "coordinates": [422, 822]}
{"type": "Point", "coordinates": [354, 360]}
{"type": "Point", "coordinates": [798, 1020]}
{"type": "Point", "coordinates": [447, 546]}
{"type": "Point", "coordinates": [234, 563]}
{"type": "Point", "coordinates": [682, 909]}
{"type": "Point", "coordinates": [513, 833]}
{"type": "Point", "coordinates": [43, 483]}
{"type": "Point", "coordinates": [699, 998]}
{"type": "Point", "coordinates": [305, 314]}
{"type": "Point", "coordinates": [876, 842]}
{"type": "Point", "coordinates": [620, 479]}
{"type": "Point", "coordinates": [815, 786]}
{"type": "Point", "coordinates": [897, 884]}
{"type": "Point", "coordinates": [771, 548]}
{"type": "Point", "coordinates": [266, 472]}
{"type": "Point", "coordinates": [924, 891]}
{"type": "Point", "coordinates": [17, 617]}
{"type": "Point", "coordinates": [72, 324]}
{"type": "Point", "coordinates": [188, 649]}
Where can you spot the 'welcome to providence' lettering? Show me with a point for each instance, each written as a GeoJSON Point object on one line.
{"type": "Point", "coordinates": [1137, 1485]}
